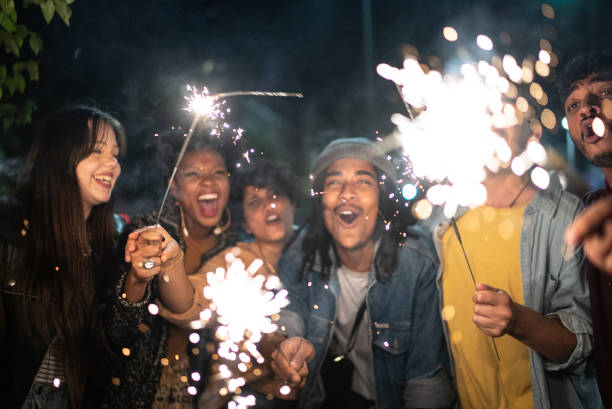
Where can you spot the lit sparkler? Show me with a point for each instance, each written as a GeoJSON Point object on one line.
{"type": "Point", "coordinates": [460, 114]}
{"type": "Point", "coordinates": [245, 304]}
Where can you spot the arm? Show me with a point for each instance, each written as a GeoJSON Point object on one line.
{"type": "Point", "coordinates": [496, 314]}
{"type": "Point", "coordinates": [428, 384]}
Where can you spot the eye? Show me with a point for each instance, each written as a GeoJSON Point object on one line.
{"type": "Point", "coordinates": [606, 92]}
{"type": "Point", "coordinates": [571, 107]}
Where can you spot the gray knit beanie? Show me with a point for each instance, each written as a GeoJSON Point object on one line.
{"type": "Point", "coordinates": [357, 148]}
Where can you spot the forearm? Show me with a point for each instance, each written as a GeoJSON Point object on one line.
{"type": "Point", "coordinates": [134, 289]}
{"type": "Point", "coordinates": [176, 291]}
{"type": "Point", "coordinates": [544, 335]}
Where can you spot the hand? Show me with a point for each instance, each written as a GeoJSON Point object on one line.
{"type": "Point", "coordinates": [493, 310]}
{"type": "Point", "coordinates": [290, 361]}
{"type": "Point", "coordinates": [150, 244]}
{"type": "Point", "coordinates": [593, 228]}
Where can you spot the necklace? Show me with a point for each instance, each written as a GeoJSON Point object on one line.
{"type": "Point", "coordinates": [513, 202]}
{"type": "Point", "coordinates": [269, 265]}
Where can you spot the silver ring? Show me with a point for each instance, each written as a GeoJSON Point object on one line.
{"type": "Point", "coordinates": [148, 264]}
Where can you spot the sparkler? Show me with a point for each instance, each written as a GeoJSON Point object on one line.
{"type": "Point", "coordinates": [244, 304]}
{"type": "Point", "coordinates": [209, 106]}
{"type": "Point", "coordinates": [461, 113]}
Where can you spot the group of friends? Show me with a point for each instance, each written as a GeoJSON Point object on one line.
{"type": "Point", "coordinates": [505, 305]}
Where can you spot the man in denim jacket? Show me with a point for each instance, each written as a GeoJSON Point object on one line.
{"type": "Point", "coordinates": [358, 248]}
{"type": "Point", "coordinates": [527, 320]}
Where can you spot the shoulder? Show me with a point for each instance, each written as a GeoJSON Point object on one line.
{"type": "Point", "coordinates": [418, 244]}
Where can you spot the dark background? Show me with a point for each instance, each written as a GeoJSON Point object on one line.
{"type": "Point", "coordinates": [135, 57]}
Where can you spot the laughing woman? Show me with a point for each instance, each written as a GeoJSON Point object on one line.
{"type": "Point", "coordinates": [267, 194]}
{"type": "Point", "coordinates": [199, 220]}
{"type": "Point", "coordinates": [57, 263]}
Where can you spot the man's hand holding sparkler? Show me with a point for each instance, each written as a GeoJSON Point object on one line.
{"type": "Point", "coordinates": [152, 250]}
{"type": "Point", "coordinates": [289, 360]}
{"type": "Point", "coordinates": [593, 229]}
{"type": "Point", "coordinates": [495, 314]}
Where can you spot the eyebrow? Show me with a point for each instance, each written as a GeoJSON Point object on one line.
{"type": "Point", "coordinates": [359, 172]}
{"type": "Point", "coordinates": [602, 77]}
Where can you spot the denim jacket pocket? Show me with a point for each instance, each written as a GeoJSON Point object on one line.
{"type": "Point", "coordinates": [393, 338]}
{"type": "Point", "coordinates": [318, 329]}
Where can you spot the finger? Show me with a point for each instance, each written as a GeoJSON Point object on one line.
{"type": "Point", "coordinates": [486, 297]}
{"type": "Point", "coordinates": [485, 287]}
{"type": "Point", "coordinates": [486, 323]}
{"type": "Point", "coordinates": [589, 221]}
{"type": "Point", "coordinates": [171, 250]}
{"type": "Point", "coordinates": [598, 249]}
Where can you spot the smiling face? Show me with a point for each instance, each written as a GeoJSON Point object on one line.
{"type": "Point", "coordinates": [350, 203]}
{"type": "Point", "coordinates": [202, 187]}
{"type": "Point", "coordinates": [268, 215]}
{"type": "Point", "coordinates": [97, 173]}
{"type": "Point", "coordinates": [589, 116]}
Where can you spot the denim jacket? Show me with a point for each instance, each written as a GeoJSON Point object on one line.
{"type": "Point", "coordinates": [405, 327]}
{"type": "Point", "coordinates": [554, 285]}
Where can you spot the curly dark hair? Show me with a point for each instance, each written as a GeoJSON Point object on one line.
{"type": "Point", "coordinates": [581, 66]}
{"type": "Point", "coordinates": [262, 174]}
{"type": "Point", "coordinates": [391, 228]}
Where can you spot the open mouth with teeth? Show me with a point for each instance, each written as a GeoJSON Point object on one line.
{"type": "Point", "coordinates": [589, 134]}
{"type": "Point", "coordinates": [208, 204]}
{"type": "Point", "coordinates": [105, 180]}
{"type": "Point", "coordinates": [347, 216]}
{"type": "Point", "coordinates": [273, 219]}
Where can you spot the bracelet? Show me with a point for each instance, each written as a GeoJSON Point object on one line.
{"type": "Point", "coordinates": [176, 262]}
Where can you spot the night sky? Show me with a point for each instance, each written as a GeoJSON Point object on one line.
{"type": "Point", "coordinates": [135, 57]}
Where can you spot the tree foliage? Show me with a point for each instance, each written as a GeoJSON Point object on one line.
{"type": "Point", "coordinates": [20, 47]}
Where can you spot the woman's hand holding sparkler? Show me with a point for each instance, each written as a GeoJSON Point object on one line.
{"type": "Point", "coordinates": [290, 361]}
{"type": "Point", "coordinates": [152, 250]}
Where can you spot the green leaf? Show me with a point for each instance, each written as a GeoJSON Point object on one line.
{"type": "Point", "coordinates": [48, 10]}
{"type": "Point", "coordinates": [10, 85]}
{"type": "Point", "coordinates": [63, 10]}
{"type": "Point", "coordinates": [35, 43]}
{"type": "Point", "coordinates": [69, 1]}
{"type": "Point", "coordinates": [20, 82]}
{"type": "Point", "coordinates": [7, 24]}
{"type": "Point", "coordinates": [0, 93]}
{"type": "Point", "coordinates": [32, 67]}
{"type": "Point", "coordinates": [11, 46]}
{"type": "Point", "coordinates": [18, 67]}
{"type": "Point", "coordinates": [2, 72]}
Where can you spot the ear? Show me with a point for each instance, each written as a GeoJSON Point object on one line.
{"type": "Point", "coordinates": [174, 191]}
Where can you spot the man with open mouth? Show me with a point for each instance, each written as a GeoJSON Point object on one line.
{"type": "Point", "coordinates": [361, 286]}
{"type": "Point", "coordinates": [586, 91]}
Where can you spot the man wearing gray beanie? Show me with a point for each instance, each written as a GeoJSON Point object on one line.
{"type": "Point", "coordinates": [361, 286]}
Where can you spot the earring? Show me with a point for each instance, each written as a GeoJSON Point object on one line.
{"type": "Point", "coordinates": [220, 229]}
{"type": "Point", "coordinates": [183, 226]}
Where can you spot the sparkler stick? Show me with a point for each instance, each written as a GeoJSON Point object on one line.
{"type": "Point", "coordinates": [206, 105]}
{"type": "Point", "coordinates": [454, 224]}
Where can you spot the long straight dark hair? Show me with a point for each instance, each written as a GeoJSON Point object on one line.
{"type": "Point", "coordinates": [391, 228]}
{"type": "Point", "coordinates": [65, 256]}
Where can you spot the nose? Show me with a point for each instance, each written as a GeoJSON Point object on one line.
{"type": "Point", "coordinates": [591, 105]}
{"type": "Point", "coordinates": [207, 179]}
{"type": "Point", "coordinates": [347, 193]}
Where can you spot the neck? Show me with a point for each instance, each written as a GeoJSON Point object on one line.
{"type": "Point", "coordinates": [505, 188]}
{"type": "Point", "coordinates": [196, 230]}
{"type": "Point", "coordinates": [360, 259]}
{"type": "Point", "coordinates": [86, 212]}
{"type": "Point", "coordinates": [271, 252]}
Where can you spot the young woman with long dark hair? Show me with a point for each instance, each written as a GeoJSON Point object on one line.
{"type": "Point", "coordinates": [56, 256]}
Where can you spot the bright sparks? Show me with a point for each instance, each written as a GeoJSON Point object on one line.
{"type": "Point", "coordinates": [455, 132]}
{"type": "Point", "coordinates": [203, 104]}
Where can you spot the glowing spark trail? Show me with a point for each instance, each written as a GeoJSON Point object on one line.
{"type": "Point", "coordinates": [209, 106]}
